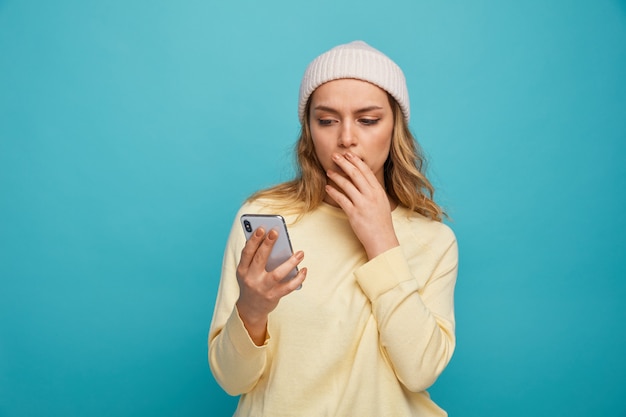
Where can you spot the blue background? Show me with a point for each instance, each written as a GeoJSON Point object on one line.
{"type": "Point", "coordinates": [130, 132]}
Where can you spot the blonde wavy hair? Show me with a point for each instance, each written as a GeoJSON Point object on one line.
{"type": "Point", "coordinates": [405, 178]}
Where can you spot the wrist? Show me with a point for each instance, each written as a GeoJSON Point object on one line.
{"type": "Point", "coordinates": [255, 324]}
{"type": "Point", "coordinates": [381, 248]}
{"type": "Point", "coordinates": [381, 243]}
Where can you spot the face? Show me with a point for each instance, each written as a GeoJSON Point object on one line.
{"type": "Point", "coordinates": [355, 116]}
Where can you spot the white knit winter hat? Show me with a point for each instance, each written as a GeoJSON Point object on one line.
{"type": "Point", "coordinates": [359, 61]}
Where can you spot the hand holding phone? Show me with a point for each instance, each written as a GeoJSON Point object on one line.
{"type": "Point", "coordinates": [261, 287]}
{"type": "Point", "coordinates": [282, 249]}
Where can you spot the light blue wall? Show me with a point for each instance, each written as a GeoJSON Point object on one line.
{"type": "Point", "coordinates": [130, 131]}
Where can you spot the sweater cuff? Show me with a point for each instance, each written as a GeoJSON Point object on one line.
{"type": "Point", "coordinates": [240, 339]}
{"type": "Point", "coordinates": [383, 273]}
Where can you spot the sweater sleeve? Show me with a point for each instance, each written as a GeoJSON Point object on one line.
{"type": "Point", "coordinates": [235, 361]}
{"type": "Point", "coordinates": [413, 303]}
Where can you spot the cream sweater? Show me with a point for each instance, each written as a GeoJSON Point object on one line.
{"type": "Point", "coordinates": [359, 339]}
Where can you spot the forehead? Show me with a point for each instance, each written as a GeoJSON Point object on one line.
{"type": "Point", "coordinates": [349, 90]}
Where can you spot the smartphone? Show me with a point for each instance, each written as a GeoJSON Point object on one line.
{"type": "Point", "coordinates": [282, 248]}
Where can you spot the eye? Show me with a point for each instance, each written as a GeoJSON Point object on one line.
{"type": "Point", "coordinates": [324, 122]}
{"type": "Point", "coordinates": [369, 122]}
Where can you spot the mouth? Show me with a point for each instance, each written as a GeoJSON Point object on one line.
{"type": "Point", "coordinates": [356, 156]}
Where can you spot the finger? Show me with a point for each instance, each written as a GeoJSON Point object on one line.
{"type": "Point", "coordinates": [345, 184]}
{"type": "Point", "coordinates": [251, 247]}
{"type": "Point", "coordinates": [263, 252]}
{"type": "Point", "coordinates": [340, 198]}
{"type": "Point", "coordinates": [293, 284]}
{"type": "Point", "coordinates": [363, 168]}
{"type": "Point", "coordinates": [357, 171]}
{"type": "Point", "coordinates": [348, 190]}
{"type": "Point", "coordinates": [283, 270]}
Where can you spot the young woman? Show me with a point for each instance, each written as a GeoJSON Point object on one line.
{"type": "Point", "coordinates": [373, 325]}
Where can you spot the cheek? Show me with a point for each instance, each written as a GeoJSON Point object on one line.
{"type": "Point", "coordinates": [321, 146]}
{"type": "Point", "coordinates": [383, 145]}
{"type": "Point", "coordinates": [380, 153]}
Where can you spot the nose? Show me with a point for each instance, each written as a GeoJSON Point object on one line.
{"type": "Point", "coordinates": [347, 136]}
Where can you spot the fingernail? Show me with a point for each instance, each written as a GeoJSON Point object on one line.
{"type": "Point", "coordinates": [349, 155]}
{"type": "Point", "coordinates": [259, 232]}
{"type": "Point", "coordinates": [272, 235]}
{"type": "Point", "coordinates": [299, 255]}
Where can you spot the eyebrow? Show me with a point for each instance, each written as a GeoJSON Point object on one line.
{"type": "Point", "coordinates": [362, 110]}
